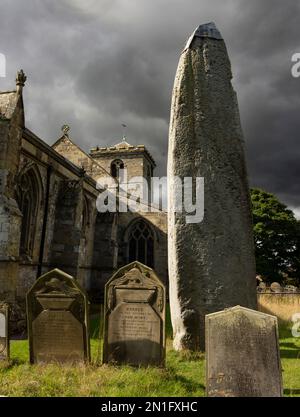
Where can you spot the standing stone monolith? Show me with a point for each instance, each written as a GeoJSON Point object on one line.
{"type": "Point", "coordinates": [211, 261]}
{"type": "Point", "coordinates": [242, 354]}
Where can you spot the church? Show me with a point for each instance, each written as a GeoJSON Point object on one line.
{"type": "Point", "coordinates": [48, 213]}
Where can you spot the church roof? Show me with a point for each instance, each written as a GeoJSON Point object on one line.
{"type": "Point", "coordinates": [66, 140]}
{"type": "Point", "coordinates": [123, 145]}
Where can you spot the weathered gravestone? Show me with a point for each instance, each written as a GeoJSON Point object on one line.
{"type": "Point", "coordinates": [57, 314]}
{"type": "Point", "coordinates": [4, 334]}
{"type": "Point", "coordinates": [134, 330]}
{"type": "Point", "coordinates": [275, 287]}
{"type": "Point", "coordinates": [242, 354]}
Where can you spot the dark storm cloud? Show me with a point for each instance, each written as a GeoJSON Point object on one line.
{"type": "Point", "coordinates": [95, 64]}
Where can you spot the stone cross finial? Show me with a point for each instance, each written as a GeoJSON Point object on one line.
{"type": "Point", "coordinates": [65, 129]}
{"type": "Point", "coordinates": [20, 80]}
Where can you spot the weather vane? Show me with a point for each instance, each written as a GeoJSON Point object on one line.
{"type": "Point", "coordinates": [124, 130]}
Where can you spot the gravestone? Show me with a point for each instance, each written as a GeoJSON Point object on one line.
{"type": "Point", "coordinates": [4, 332]}
{"type": "Point", "coordinates": [57, 314]}
{"type": "Point", "coordinates": [134, 329]}
{"type": "Point", "coordinates": [242, 354]}
{"type": "Point", "coordinates": [290, 288]}
{"type": "Point", "coordinates": [261, 287]}
{"type": "Point", "coordinates": [275, 287]}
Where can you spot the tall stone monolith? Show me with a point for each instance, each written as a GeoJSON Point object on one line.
{"type": "Point", "coordinates": [211, 262]}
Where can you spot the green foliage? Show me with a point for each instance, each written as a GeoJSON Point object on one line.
{"type": "Point", "coordinates": [277, 238]}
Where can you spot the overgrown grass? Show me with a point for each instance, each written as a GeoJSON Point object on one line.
{"type": "Point", "coordinates": [184, 374]}
{"type": "Point", "coordinates": [290, 362]}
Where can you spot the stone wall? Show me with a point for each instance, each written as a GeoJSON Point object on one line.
{"type": "Point", "coordinates": [283, 306]}
{"type": "Point", "coordinates": [67, 227]}
{"type": "Point", "coordinates": [282, 302]}
{"type": "Point", "coordinates": [11, 128]}
{"type": "Point", "coordinates": [105, 252]}
{"type": "Point", "coordinates": [87, 241]}
{"type": "Point", "coordinates": [53, 175]}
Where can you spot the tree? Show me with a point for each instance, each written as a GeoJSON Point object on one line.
{"type": "Point", "coordinates": [277, 238]}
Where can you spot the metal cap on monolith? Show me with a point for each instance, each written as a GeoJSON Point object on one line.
{"type": "Point", "coordinates": [207, 30]}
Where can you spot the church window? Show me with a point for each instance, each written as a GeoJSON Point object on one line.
{"type": "Point", "coordinates": [141, 244]}
{"type": "Point", "coordinates": [27, 196]}
{"type": "Point", "coordinates": [116, 166]}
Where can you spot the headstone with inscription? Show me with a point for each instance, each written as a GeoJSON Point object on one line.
{"type": "Point", "coordinates": [242, 354]}
{"type": "Point", "coordinates": [4, 333]}
{"type": "Point", "coordinates": [57, 314]}
{"type": "Point", "coordinates": [134, 330]}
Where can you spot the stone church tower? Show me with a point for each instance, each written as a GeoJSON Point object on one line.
{"type": "Point", "coordinates": [121, 238]}
{"type": "Point", "coordinates": [136, 160]}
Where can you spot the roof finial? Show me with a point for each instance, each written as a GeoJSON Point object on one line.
{"type": "Point", "coordinates": [65, 129]}
{"type": "Point", "coordinates": [124, 130]}
{"type": "Point", "coordinates": [20, 80]}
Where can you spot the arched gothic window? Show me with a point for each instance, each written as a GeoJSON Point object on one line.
{"type": "Point", "coordinates": [28, 198]}
{"type": "Point", "coordinates": [116, 166]}
{"type": "Point", "coordinates": [141, 244]}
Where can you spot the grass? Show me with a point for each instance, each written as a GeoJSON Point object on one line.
{"type": "Point", "coordinates": [184, 374]}
{"type": "Point", "coordinates": [290, 362]}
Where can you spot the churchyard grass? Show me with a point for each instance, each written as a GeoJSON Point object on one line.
{"type": "Point", "coordinates": [184, 374]}
{"type": "Point", "coordinates": [290, 362]}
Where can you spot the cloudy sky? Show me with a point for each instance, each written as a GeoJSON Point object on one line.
{"type": "Point", "coordinates": [96, 64]}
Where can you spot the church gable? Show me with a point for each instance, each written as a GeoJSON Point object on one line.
{"type": "Point", "coordinates": [68, 149]}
